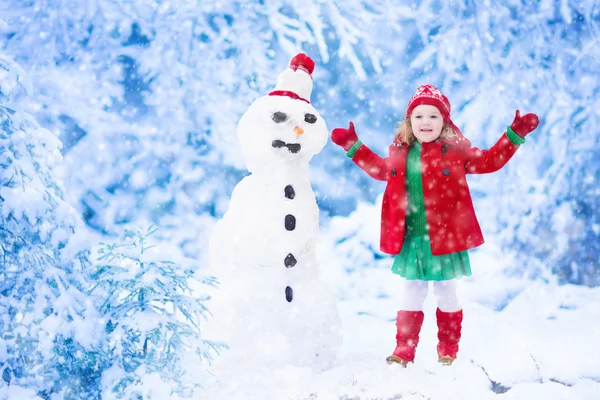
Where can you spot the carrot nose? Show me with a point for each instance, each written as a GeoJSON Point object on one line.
{"type": "Point", "coordinates": [298, 130]}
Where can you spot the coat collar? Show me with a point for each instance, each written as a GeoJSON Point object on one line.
{"type": "Point", "coordinates": [441, 142]}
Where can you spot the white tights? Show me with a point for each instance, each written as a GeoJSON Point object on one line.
{"type": "Point", "coordinates": [415, 291]}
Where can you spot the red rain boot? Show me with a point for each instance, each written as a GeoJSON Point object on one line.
{"type": "Point", "coordinates": [408, 325]}
{"type": "Point", "coordinates": [449, 327]}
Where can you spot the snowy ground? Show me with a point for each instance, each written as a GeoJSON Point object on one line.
{"type": "Point", "coordinates": [521, 340]}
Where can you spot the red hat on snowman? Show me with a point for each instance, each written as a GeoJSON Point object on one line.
{"type": "Point", "coordinates": [429, 95]}
{"type": "Point", "coordinates": [296, 81]}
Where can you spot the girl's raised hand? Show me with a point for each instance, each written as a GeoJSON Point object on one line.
{"type": "Point", "coordinates": [523, 125]}
{"type": "Point", "coordinates": [344, 137]}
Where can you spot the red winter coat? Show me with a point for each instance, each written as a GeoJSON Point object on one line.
{"type": "Point", "coordinates": [451, 219]}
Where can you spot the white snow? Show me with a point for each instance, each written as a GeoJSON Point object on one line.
{"type": "Point", "coordinates": [522, 339]}
{"type": "Point", "coordinates": [12, 392]}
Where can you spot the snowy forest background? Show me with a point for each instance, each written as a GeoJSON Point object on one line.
{"type": "Point", "coordinates": [118, 153]}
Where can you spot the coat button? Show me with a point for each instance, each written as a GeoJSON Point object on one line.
{"type": "Point", "coordinates": [444, 148]}
{"type": "Point", "coordinates": [446, 172]}
{"type": "Point", "coordinates": [393, 171]}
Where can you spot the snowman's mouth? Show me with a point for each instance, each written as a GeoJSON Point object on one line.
{"type": "Point", "coordinates": [292, 147]}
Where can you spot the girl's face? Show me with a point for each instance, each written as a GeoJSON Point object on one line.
{"type": "Point", "coordinates": [427, 123]}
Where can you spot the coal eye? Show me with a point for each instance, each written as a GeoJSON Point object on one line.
{"type": "Point", "coordinates": [310, 118]}
{"type": "Point", "coordinates": [279, 117]}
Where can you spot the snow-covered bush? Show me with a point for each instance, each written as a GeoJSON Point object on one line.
{"type": "Point", "coordinates": [153, 311]}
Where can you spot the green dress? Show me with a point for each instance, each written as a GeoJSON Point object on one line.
{"type": "Point", "coordinates": [415, 260]}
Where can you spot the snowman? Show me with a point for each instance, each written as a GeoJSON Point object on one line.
{"type": "Point", "coordinates": [272, 306]}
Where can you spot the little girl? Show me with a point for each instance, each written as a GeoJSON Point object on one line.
{"type": "Point", "coordinates": [428, 222]}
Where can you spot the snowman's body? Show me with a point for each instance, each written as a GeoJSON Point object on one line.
{"type": "Point", "coordinates": [260, 216]}
{"type": "Point", "coordinates": [272, 305]}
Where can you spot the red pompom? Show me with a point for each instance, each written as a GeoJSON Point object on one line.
{"type": "Point", "coordinates": [303, 62]}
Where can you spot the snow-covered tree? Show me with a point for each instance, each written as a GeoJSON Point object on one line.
{"type": "Point", "coordinates": [542, 57]}
{"type": "Point", "coordinates": [153, 310]}
{"type": "Point", "coordinates": [45, 318]}
{"type": "Point", "coordinates": [147, 96]}
{"type": "Point", "coordinates": [149, 109]}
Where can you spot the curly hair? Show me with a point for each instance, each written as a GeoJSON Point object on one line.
{"type": "Point", "coordinates": [403, 132]}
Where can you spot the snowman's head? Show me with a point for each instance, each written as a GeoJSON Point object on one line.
{"type": "Point", "coordinates": [283, 128]}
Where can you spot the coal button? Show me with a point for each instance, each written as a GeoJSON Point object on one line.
{"type": "Point", "coordinates": [289, 192]}
{"type": "Point", "coordinates": [290, 261]}
{"type": "Point", "coordinates": [289, 294]}
{"type": "Point", "coordinates": [290, 222]}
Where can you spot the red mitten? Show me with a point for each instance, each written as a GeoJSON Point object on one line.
{"type": "Point", "coordinates": [344, 137]}
{"type": "Point", "coordinates": [525, 124]}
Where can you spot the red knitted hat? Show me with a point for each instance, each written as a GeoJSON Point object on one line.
{"type": "Point", "coordinates": [296, 81]}
{"type": "Point", "coordinates": [430, 95]}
